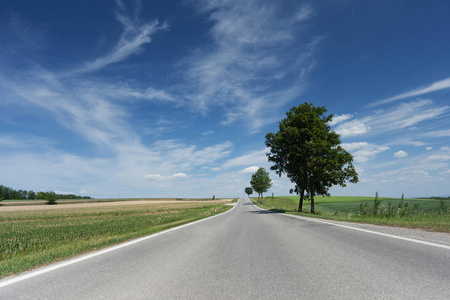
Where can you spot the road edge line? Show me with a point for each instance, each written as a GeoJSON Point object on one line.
{"type": "Point", "coordinates": [71, 261]}
{"type": "Point", "coordinates": [363, 230]}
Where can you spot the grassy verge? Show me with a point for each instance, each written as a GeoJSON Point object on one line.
{"type": "Point", "coordinates": [39, 237]}
{"type": "Point", "coordinates": [426, 214]}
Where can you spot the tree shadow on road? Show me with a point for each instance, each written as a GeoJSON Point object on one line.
{"type": "Point", "coordinates": [266, 212]}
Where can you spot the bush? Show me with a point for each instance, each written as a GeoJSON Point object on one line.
{"type": "Point", "coordinates": [51, 198]}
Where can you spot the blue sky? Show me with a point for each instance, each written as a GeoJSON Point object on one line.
{"type": "Point", "coordinates": [174, 98]}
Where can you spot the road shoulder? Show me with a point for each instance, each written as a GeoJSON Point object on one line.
{"type": "Point", "coordinates": [440, 238]}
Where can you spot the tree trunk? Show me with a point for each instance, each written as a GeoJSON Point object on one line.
{"type": "Point", "coordinates": [311, 192]}
{"type": "Point", "coordinates": [261, 198]}
{"type": "Point", "coordinates": [300, 203]}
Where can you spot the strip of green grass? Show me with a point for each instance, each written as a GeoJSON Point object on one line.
{"type": "Point", "coordinates": [39, 237]}
{"type": "Point", "coordinates": [332, 199]}
{"type": "Point", "coordinates": [427, 216]}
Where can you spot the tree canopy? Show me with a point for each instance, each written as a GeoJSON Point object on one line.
{"type": "Point", "coordinates": [248, 191]}
{"type": "Point", "coordinates": [261, 182]}
{"type": "Point", "coordinates": [308, 152]}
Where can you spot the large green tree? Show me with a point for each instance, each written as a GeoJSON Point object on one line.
{"type": "Point", "coordinates": [261, 182]}
{"type": "Point", "coordinates": [308, 152]}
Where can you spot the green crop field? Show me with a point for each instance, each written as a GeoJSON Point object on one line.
{"type": "Point", "coordinates": [39, 236]}
{"type": "Point", "coordinates": [429, 214]}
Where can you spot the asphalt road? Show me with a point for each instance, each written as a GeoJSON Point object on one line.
{"type": "Point", "coordinates": [248, 253]}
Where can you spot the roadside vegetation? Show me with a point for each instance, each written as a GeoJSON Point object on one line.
{"type": "Point", "coordinates": [31, 238]}
{"type": "Point", "coordinates": [428, 214]}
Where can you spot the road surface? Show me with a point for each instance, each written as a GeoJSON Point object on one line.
{"type": "Point", "coordinates": [248, 253]}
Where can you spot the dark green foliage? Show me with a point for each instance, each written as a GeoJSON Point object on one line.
{"type": "Point", "coordinates": [261, 182]}
{"type": "Point", "coordinates": [7, 193]}
{"type": "Point", "coordinates": [308, 152]}
{"type": "Point", "coordinates": [248, 191]}
{"type": "Point", "coordinates": [51, 197]}
{"type": "Point", "coordinates": [443, 207]}
{"type": "Point", "coordinates": [402, 207]}
{"type": "Point", "coordinates": [376, 204]}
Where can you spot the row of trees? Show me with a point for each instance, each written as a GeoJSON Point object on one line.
{"type": "Point", "coordinates": [308, 152]}
{"type": "Point", "coordinates": [7, 193]}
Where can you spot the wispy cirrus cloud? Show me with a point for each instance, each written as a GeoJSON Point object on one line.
{"type": "Point", "coordinates": [159, 177]}
{"type": "Point", "coordinates": [438, 133]}
{"type": "Point", "coordinates": [403, 116]}
{"type": "Point", "coordinates": [436, 86]}
{"type": "Point", "coordinates": [254, 47]}
{"type": "Point", "coordinates": [364, 151]}
{"type": "Point", "coordinates": [98, 120]}
{"type": "Point", "coordinates": [253, 158]}
{"type": "Point", "coordinates": [136, 33]}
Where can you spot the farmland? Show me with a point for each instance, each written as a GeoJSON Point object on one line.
{"type": "Point", "coordinates": [429, 214]}
{"type": "Point", "coordinates": [37, 235]}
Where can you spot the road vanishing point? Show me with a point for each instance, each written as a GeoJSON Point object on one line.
{"type": "Point", "coordinates": [247, 253]}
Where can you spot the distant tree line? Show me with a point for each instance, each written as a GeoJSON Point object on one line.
{"type": "Point", "coordinates": [7, 193]}
{"type": "Point", "coordinates": [435, 197]}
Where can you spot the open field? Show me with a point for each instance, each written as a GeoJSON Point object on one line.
{"type": "Point", "coordinates": [33, 236]}
{"type": "Point", "coordinates": [90, 201]}
{"type": "Point", "coordinates": [15, 206]}
{"type": "Point", "coordinates": [420, 213]}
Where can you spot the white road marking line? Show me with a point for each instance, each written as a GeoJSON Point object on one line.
{"type": "Point", "coordinates": [72, 261]}
{"type": "Point", "coordinates": [365, 230]}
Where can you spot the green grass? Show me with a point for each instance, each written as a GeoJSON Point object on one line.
{"type": "Point", "coordinates": [428, 215]}
{"type": "Point", "coordinates": [39, 237]}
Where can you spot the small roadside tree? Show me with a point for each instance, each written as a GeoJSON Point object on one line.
{"type": "Point", "coordinates": [248, 191]}
{"type": "Point", "coordinates": [261, 182]}
{"type": "Point", "coordinates": [51, 197]}
{"type": "Point", "coordinates": [309, 152]}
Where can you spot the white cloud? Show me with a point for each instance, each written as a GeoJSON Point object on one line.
{"type": "Point", "coordinates": [179, 175]}
{"type": "Point", "coordinates": [429, 148]}
{"type": "Point", "coordinates": [253, 48]}
{"type": "Point", "coordinates": [363, 151]}
{"type": "Point", "coordinates": [438, 157]}
{"type": "Point", "coordinates": [438, 133]}
{"type": "Point", "coordinates": [352, 128]}
{"type": "Point", "coordinates": [439, 85]}
{"type": "Point", "coordinates": [64, 193]}
{"type": "Point", "coordinates": [405, 175]}
{"type": "Point", "coordinates": [402, 116]}
{"type": "Point", "coordinates": [135, 34]}
{"type": "Point", "coordinates": [158, 177]}
{"type": "Point", "coordinates": [340, 118]}
{"type": "Point", "coordinates": [258, 158]}
{"type": "Point", "coordinates": [251, 169]}
{"type": "Point", "coordinates": [400, 154]}
{"type": "Point", "coordinates": [153, 177]}
{"type": "Point", "coordinates": [406, 141]}
{"type": "Point", "coordinates": [209, 132]}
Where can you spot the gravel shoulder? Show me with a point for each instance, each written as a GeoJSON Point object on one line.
{"type": "Point", "coordinates": [418, 234]}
